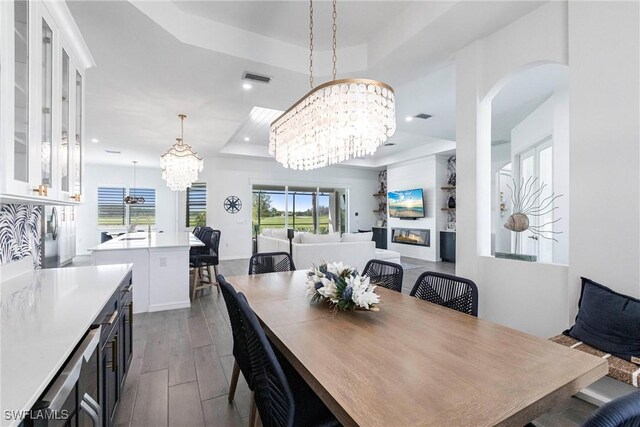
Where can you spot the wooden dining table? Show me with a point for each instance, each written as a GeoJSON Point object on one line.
{"type": "Point", "coordinates": [414, 363]}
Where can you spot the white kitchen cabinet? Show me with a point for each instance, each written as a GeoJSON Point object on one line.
{"type": "Point", "coordinates": [43, 59]}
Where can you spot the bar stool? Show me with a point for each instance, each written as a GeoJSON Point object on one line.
{"type": "Point", "coordinates": [201, 263]}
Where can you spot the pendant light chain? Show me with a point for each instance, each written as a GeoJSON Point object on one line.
{"type": "Point", "coordinates": [335, 43]}
{"type": "Point", "coordinates": [181, 139]}
{"type": "Point", "coordinates": [311, 43]}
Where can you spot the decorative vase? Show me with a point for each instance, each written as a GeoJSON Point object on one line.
{"type": "Point", "coordinates": [451, 203]}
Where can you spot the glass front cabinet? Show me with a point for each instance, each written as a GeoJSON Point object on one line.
{"type": "Point", "coordinates": [43, 60]}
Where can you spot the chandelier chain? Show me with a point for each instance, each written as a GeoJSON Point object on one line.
{"type": "Point", "coordinates": [311, 43]}
{"type": "Point", "coordinates": [335, 43]}
{"type": "Point", "coordinates": [182, 117]}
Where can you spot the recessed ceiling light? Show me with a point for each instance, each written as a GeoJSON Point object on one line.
{"type": "Point", "coordinates": [247, 139]}
{"type": "Point", "coordinates": [95, 140]}
{"type": "Point", "coordinates": [246, 86]}
{"type": "Point", "coordinates": [409, 118]}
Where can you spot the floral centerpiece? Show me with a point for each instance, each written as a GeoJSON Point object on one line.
{"type": "Point", "coordinates": [342, 286]}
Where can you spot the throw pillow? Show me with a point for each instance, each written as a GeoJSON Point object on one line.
{"type": "Point", "coordinates": [608, 321]}
{"type": "Point", "coordinates": [320, 238]}
{"type": "Point", "coordinates": [267, 232]}
{"type": "Point", "coordinates": [297, 236]}
{"type": "Point", "coordinates": [279, 233]}
{"type": "Point", "coordinates": [357, 237]}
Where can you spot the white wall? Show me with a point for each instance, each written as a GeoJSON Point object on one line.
{"type": "Point", "coordinates": [602, 39]}
{"type": "Point", "coordinates": [604, 48]}
{"type": "Point", "coordinates": [428, 173]}
{"type": "Point", "coordinates": [88, 232]}
{"type": "Point", "coordinates": [230, 176]}
{"type": "Point", "coordinates": [551, 119]}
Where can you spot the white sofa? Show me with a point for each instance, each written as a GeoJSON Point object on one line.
{"type": "Point", "coordinates": [305, 255]}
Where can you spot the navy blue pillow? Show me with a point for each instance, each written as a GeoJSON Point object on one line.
{"type": "Point", "coordinates": [608, 321]}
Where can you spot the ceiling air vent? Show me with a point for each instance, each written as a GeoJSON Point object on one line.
{"type": "Point", "coordinates": [112, 151]}
{"type": "Point", "coordinates": [388, 144]}
{"type": "Point", "coordinates": [422, 116]}
{"type": "Point", "coordinates": [256, 78]}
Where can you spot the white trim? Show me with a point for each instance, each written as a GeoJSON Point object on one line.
{"type": "Point", "coordinates": [169, 306]}
{"type": "Point", "coordinates": [576, 344]}
{"type": "Point", "coordinates": [67, 25]}
{"type": "Point", "coordinates": [634, 377]}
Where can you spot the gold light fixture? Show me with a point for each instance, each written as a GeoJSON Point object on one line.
{"type": "Point", "coordinates": [334, 122]}
{"type": "Point", "coordinates": [180, 164]}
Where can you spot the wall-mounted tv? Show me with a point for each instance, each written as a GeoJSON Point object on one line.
{"type": "Point", "coordinates": [406, 204]}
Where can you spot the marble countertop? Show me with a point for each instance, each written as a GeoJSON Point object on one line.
{"type": "Point", "coordinates": [152, 241]}
{"type": "Point", "coordinates": [44, 315]}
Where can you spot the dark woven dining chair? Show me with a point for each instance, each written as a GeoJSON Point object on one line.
{"type": "Point", "coordinates": [270, 262]}
{"type": "Point", "coordinates": [282, 397]}
{"type": "Point", "coordinates": [385, 274]}
{"type": "Point", "coordinates": [621, 412]}
{"type": "Point", "coordinates": [449, 291]}
{"type": "Point", "coordinates": [202, 263]}
{"type": "Point", "coordinates": [240, 353]}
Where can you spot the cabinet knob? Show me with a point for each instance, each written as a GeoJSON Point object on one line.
{"type": "Point", "coordinates": [42, 190]}
{"type": "Point", "coordinates": [76, 197]}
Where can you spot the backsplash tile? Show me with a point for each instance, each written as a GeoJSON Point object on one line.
{"type": "Point", "coordinates": [20, 232]}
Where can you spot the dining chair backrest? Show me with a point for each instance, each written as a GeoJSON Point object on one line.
{"type": "Point", "coordinates": [201, 232]}
{"type": "Point", "coordinates": [270, 262]}
{"type": "Point", "coordinates": [449, 291]}
{"type": "Point", "coordinates": [273, 396]}
{"type": "Point", "coordinates": [385, 274]}
{"type": "Point", "coordinates": [214, 242]}
{"type": "Point", "coordinates": [240, 351]}
{"type": "Point", "coordinates": [204, 235]}
{"type": "Point", "coordinates": [621, 412]}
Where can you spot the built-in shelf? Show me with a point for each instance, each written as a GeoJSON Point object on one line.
{"type": "Point", "coordinates": [448, 209]}
{"type": "Point", "coordinates": [448, 187]}
{"type": "Point", "coordinates": [380, 195]}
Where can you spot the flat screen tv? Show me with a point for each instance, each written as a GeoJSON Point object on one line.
{"type": "Point", "coordinates": [406, 204]}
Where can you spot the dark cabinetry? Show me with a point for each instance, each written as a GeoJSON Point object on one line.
{"type": "Point", "coordinates": [117, 347]}
{"type": "Point", "coordinates": [448, 246]}
{"type": "Point", "coordinates": [380, 237]}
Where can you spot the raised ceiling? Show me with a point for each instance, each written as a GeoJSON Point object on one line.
{"type": "Point", "coordinates": [158, 59]}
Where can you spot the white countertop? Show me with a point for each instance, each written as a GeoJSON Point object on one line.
{"type": "Point", "coordinates": [43, 315]}
{"type": "Point", "coordinates": [146, 241]}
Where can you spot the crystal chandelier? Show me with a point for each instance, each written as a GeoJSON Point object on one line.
{"type": "Point", "coordinates": [180, 165]}
{"type": "Point", "coordinates": [336, 121]}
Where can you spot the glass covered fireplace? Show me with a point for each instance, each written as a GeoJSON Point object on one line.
{"type": "Point", "coordinates": [411, 236]}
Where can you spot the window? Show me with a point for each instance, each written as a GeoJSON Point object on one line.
{"type": "Point", "coordinates": [113, 212]}
{"type": "Point", "coordinates": [197, 205]}
{"type": "Point", "coordinates": [111, 208]}
{"type": "Point", "coordinates": [143, 214]}
{"type": "Point", "coordinates": [301, 208]}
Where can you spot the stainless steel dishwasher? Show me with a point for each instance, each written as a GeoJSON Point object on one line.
{"type": "Point", "coordinates": [71, 399]}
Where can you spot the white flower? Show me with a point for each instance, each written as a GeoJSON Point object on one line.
{"type": "Point", "coordinates": [328, 290]}
{"type": "Point", "coordinates": [363, 293]}
{"type": "Point", "coordinates": [337, 268]}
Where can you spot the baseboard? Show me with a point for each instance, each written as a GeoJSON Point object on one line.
{"type": "Point", "coordinates": [169, 306]}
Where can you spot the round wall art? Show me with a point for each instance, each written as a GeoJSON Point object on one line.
{"type": "Point", "coordinates": [232, 204]}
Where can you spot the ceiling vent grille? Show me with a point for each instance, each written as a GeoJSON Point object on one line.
{"type": "Point", "coordinates": [422, 116]}
{"type": "Point", "coordinates": [256, 78]}
{"type": "Point", "coordinates": [113, 151]}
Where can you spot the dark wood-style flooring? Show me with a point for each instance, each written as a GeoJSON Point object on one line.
{"type": "Point", "coordinates": [182, 365]}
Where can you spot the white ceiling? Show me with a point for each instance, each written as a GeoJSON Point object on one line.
{"type": "Point", "coordinates": [158, 59]}
{"type": "Point", "coordinates": [288, 21]}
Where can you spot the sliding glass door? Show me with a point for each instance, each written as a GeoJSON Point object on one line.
{"type": "Point", "coordinates": [314, 210]}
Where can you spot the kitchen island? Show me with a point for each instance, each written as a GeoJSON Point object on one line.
{"type": "Point", "coordinates": [45, 314]}
{"type": "Point", "coordinates": [161, 267]}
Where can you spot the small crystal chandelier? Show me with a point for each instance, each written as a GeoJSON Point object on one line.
{"type": "Point", "coordinates": [133, 200]}
{"type": "Point", "coordinates": [336, 121]}
{"type": "Point", "coordinates": [180, 165]}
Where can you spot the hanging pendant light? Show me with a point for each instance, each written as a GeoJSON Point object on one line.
{"type": "Point", "coordinates": [180, 165]}
{"type": "Point", "coordinates": [336, 121]}
{"type": "Point", "coordinates": [132, 200]}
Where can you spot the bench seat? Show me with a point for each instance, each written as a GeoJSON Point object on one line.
{"type": "Point", "coordinates": [619, 369]}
